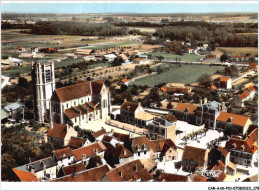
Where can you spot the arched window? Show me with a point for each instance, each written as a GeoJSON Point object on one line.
{"type": "Point", "coordinates": [144, 147]}
{"type": "Point", "coordinates": [138, 148]}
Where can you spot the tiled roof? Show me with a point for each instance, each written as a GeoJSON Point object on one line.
{"type": "Point", "coordinates": [253, 65]}
{"type": "Point", "coordinates": [62, 153]}
{"type": "Point", "coordinates": [251, 88]}
{"type": "Point", "coordinates": [38, 165]}
{"type": "Point", "coordinates": [161, 145]}
{"type": "Point", "coordinates": [124, 80]}
{"type": "Point", "coordinates": [174, 89]}
{"type": "Point", "coordinates": [74, 91]}
{"type": "Point", "coordinates": [184, 106]}
{"type": "Point", "coordinates": [194, 154]}
{"type": "Point", "coordinates": [221, 167]}
{"type": "Point", "coordinates": [79, 90]}
{"type": "Point", "coordinates": [76, 142]}
{"type": "Point", "coordinates": [122, 152]}
{"type": "Point", "coordinates": [199, 178]}
{"type": "Point", "coordinates": [74, 168]}
{"type": "Point", "coordinates": [25, 176]}
{"type": "Point", "coordinates": [91, 175]}
{"type": "Point", "coordinates": [251, 128]}
{"type": "Point", "coordinates": [224, 79]}
{"type": "Point", "coordinates": [140, 141]}
{"type": "Point", "coordinates": [170, 118]}
{"type": "Point", "coordinates": [252, 138]}
{"type": "Point", "coordinates": [88, 150]}
{"type": "Point", "coordinates": [166, 177]}
{"type": "Point", "coordinates": [244, 95]}
{"type": "Point", "coordinates": [145, 116]}
{"type": "Point", "coordinates": [121, 137]}
{"type": "Point", "coordinates": [99, 133]}
{"type": "Point", "coordinates": [148, 163]}
{"type": "Point", "coordinates": [107, 138]}
{"type": "Point", "coordinates": [237, 119]}
{"type": "Point", "coordinates": [129, 106]}
{"type": "Point", "coordinates": [58, 131]}
{"type": "Point", "coordinates": [223, 151]}
{"type": "Point", "coordinates": [71, 113]}
{"type": "Point", "coordinates": [241, 145]}
{"type": "Point", "coordinates": [129, 172]}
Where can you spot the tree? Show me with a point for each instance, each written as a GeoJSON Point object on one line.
{"type": "Point", "coordinates": [224, 57]}
{"type": "Point", "coordinates": [205, 81]}
{"type": "Point", "coordinates": [117, 61]}
{"type": "Point", "coordinates": [7, 163]}
{"type": "Point", "coordinates": [158, 104]}
{"type": "Point", "coordinates": [29, 104]}
{"type": "Point", "coordinates": [23, 82]}
{"type": "Point", "coordinates": [169, 105]}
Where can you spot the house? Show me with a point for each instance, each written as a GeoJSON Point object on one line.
{"type": "Point", "coordinates": [194, 158]}
{"type": "Point", "coordinates": [205, 46]}
{"type": "Point", "coordinates": [185, 112]}
{"type": "Point", "coordinates": [141, 61]}
{"type": "Point", "coordinates": [13, 109]}
{"type": "Point", "coordinates": [25, 176]}
{"type": "Point", "coordinates": [237, 58]}
{"type": "Point", "coordinates": [140, 147]}
{"type": "Point", "coordinates": [11, 62]}
{"type": "Point", "coordinates": [211, 56]}
{"type": "Point", "coordinates": [89, 57]}
{"type": "Point", "coordinates": [253, 66]}
{"type": "Point", "coordinates": [74, 168]}
{"type": "Point", "coordinates": [64, 157]}
{"type": "Point", "coordinates": [247, 94]}
{"type": "Point", "coordinates": [60, 134]}
{"type": "Point", "coordinates": [81, 103]}
{"type": "Point", "coordinates": [166, 177]}
{"type": "Point", "coordinates": [121, 137]}
{"type": "Point", "coordinates": [84, 153]}
{"type": "Point", "coordinates": [243, 151]}
{"type": "Point", "coordinates": [89, 175]}
{"type": "Point", "coordinates": [219, 168]}
{"type": "Point", "coordinates": [110, 57]}
{"type": "Point", "coordinates": [207, 113]}
{"type": "Point", "coordinates": [132, 171]}
{"type": "Point", "coordinates": [83, 52]}
{"type": "Point", "coordinates": [143, 56]}
{"type": "Point", "coordinates": [111, 140]}
{"type": "Point", "coordinates": [230, 168]}
{"type": "Point", "coordinates": [225, 83]}
{"type": "Point", "coordinates": [21, 49]}
{"type": "Point", "coordinates": [77, 142]}
{"type": "Point", "coordinates": [143, 118]}
{"type": "Point", "coordinates": [149, 164]}
{"type": "Point", "coordinates": [43, 169]}
{"type": "Point", "coordinates": [118, 155]}
{"type": "Point", "coordinates": [125, 81]}
{"type": "Point", "coordinates": [190, 50]}
{"type": "Point", "coordinates": [172, 90]}
{"type": "Point", "coordinates": [163, 127]}
{"type": "Point", "coordinates": [129, 110]}
{"type": "Point", "coordinates": [163, 149]}
{"type": "Point", "coordinates": [98, 135]}
{"type": "Point", "coordinates": [230, 120]}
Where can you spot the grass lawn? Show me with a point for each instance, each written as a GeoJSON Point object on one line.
{"type": "Point", "coordinates": [110, 45]}
{"type": "Point", "coordinates": [185, 57]}
{"type": "Point", "coordinates": [16, 70]}
{"type": "Point", "coordinates": [187, 73]}
{"type": "Point", "coordinates": [66, 62]}
{"type": "Point", "coordinates": [253, 51]}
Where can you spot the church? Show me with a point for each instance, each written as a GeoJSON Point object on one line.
{"type": "Point", "coordinates": [76, 105]}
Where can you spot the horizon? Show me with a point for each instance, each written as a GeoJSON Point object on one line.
{"type": "Point", "coordinates": [129, 8]}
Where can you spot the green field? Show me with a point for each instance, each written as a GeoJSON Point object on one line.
{"type": "Point", "coordinates": [110, 45]}
{"type": "Point", "coordinates": [187, 73]}
{"type": "Point", "coordinates": [186, 57]}
{"type": "Point", "coordinates": [16, 71]}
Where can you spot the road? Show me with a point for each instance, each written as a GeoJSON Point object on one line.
{"type": "Point", "coordinates": [5, 81]}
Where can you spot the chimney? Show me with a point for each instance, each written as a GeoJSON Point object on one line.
{"type": "Point", "coordinates": [230, 119]}
{"type": "Point", "coordinates": [205, 100]}
{"type": "Point", "coordinates": [125, 100]}
{"type": "Point", "coordinates": [67, 127]}
{"type": "Point", "coordinates": [200, 101]}
{"type": "Point", "coordinates": [51, 125]}
{"type": "Point", "coordinates": [139, 103]}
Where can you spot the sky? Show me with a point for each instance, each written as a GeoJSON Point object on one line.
{"type": "Point", "coordinates": [176, 7]}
